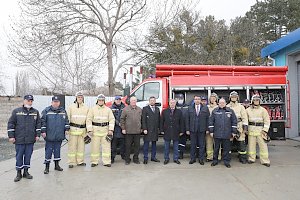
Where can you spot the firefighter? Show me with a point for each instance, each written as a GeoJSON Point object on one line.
{"type": "Point", "coordinates": [55, 125]}
{"type": "Point", "coordinates": [77, 114]}
{"type": "Point", "coordinates": [259, 124]}
{"type": "Point", "coordinates": [183, 137]}
{"type": "Point", "coordinates": [100, 125]}
{"type": "Point", "coordinates": [213, 103]}
{"type": "Point", "coordinates": [242, 121]}
{"type": "Point", "coordinates": [118, 139]}
{"type": "Point", "coordinates": [24, 129]}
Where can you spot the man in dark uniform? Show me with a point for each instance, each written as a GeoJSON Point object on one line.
{"type": "Point", "coordinates": [171, 125]}
{"type": "Point", "coordinates": [118, 138]}
{"type": "Point", "coordinates": [222, 126]}
{"type": "Point", "coordinates": [150, 126]}
{"type": "Point", "coordinates": [24, 129]}
{"type": "Point", "coordinates": [182, 138]}
{"type": "Point", "coordinates": [197, 120]}
{"type": "Point", "coordinates": [54, 125]}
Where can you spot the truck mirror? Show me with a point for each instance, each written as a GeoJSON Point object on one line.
{"type": "Point", "coordinates": [127, 101]}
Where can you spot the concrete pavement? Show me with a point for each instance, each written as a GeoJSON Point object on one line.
{"type": "Point", "coordinates": [158, 181]}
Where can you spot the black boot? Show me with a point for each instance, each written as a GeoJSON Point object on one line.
{"type": "Point", "coordinates": [19, 176]}
{"type": "Point", "coordinates": [46, 171]}
{"type": "Point", "coordinates": [26, 174]}
{"type": "Point", "coordinates": [57, 167]}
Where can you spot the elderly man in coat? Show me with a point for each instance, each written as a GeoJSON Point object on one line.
{"type": "Point", "coordinates": [150, 125]}
{"type": "Point", "coordinates": [172, 123]}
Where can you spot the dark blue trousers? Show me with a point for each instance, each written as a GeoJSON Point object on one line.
{"type": "Point", "coordinates": [167, 149]}
{"type": "Point", "coordinates": [182, 143]}
{"type": "Point", "coordinates": [114, 145]}
{"type": "Point", "coordinates": [23, 155]}
{"type": "Point", "coordinates": [146, 149]}
{"type": "Point", "coordinates": [52, 148]}
{"type": "Point", "coordinates": [197, 138]}
{"type": "Point", "coordinates": [226, 145]}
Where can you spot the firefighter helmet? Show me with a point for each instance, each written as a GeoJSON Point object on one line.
{"type": "Point", "coordinates": [233, 93]}
{"type": "Point", "coordinates": [256, 96]}
{"type": "Point", "coordinates": [101, 97]}
{"type": "Point", "coordinates": [78, 94]}
{"type": "Point", "coordinates": [214, 95]}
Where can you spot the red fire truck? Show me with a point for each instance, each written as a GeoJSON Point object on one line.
{"type": "Point", "coordinates": [270, 82]}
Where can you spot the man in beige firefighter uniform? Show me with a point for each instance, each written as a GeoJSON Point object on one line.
{"type": "Point", "coordinates": [242, 122]}
{"type": "Point", "coordinates": [209, 140]}
{"type": "Point", "coordinates": [77, 114]}
{"type": "Point", "coordinates": [100, 125]}
{"type": "Point", "coordinates": [259, 124]}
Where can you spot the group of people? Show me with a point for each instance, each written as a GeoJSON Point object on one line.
{"type": "Point", "coordinates": [212, 127]}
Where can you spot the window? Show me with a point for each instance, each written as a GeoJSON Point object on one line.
{"type": "Point", "coordinates": [139, 93]}
{"type": "Point", "coordinates": [146, 91]}
{"type": "Point", "coordinates": [151, 89]}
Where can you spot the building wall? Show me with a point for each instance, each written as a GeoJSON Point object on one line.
{"type": "Point", "coordinates": [281, 57]}
{"type": "Point", "coordinates": [288, 57]}
{"type": "Point", "coordinates": [7, 105]}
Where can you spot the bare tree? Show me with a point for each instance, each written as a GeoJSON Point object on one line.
{"type": "Point", "coordinates": [48, 25]}
{"type": "Point", "coordinates": [22, 84]}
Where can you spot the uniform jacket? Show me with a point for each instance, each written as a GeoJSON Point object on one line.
{"type": "Point", "coordinates": [184, 109]}
{"type": "Point", "coordinates": [151, 123]}
{"type": "Point", "coordinates": [240, 113]}
{"type": "Point", "coordinates": [100, 114]}
{"type": "Point", "coordinates": [258, 115]}
{"type": "Point", "coordinates": [131, 120]}
{"type": "Point", "coordinates": [222, 123]}
{"type": "Point", "coordinates": [117, 111]}
{"type": "Point", "coordinates": [171, 125]}
{"type": "Point", "coordinates": [77, 114]}
{"type": "Point", "coordinates": [24, 125]}
{"type": "Point", "coordinates": [54, 123]}
{"type": "Point", "coordinates": [211, 107]}
{"type": "Point", "coordinates": [191, 118]}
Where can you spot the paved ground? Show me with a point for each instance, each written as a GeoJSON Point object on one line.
{"type": "Point", "coordinates": [156, 181]}
{"type": "Point", "coordinates": [7, 150]}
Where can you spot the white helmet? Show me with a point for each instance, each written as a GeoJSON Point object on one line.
{"type": "Point", "coordinates": [78, 94]}
{"type": "Point", "coordinates": [256, 96]}
{"type": "Point", "coordinates": [101, 97]}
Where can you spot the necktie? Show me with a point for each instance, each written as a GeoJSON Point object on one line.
{"type": "Point", "coordinates": [153, 108]}
{"type": "Point", "coordinates": [197, 109]}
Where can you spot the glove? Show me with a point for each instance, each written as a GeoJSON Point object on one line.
{"type": "Point", "coordinates": [265, 136]}
{"type": "Point", "coordinates": [87, 139]}
{"type": "Point", "coordinates": [109, 138]}
{"type": "Point", "coordinates": [237, 135]}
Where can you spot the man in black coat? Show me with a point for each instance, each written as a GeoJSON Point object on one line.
{"type": "Point", "coordinates": [172, 127]}
{"type": "Point", "coordinates": [197, 120]}
{"type": "Point", "coordinates": [222, 126]}
{"type": "Point", "coordinates": [24, 129]}
{"type": "Point", "coordinates": [150, 125]}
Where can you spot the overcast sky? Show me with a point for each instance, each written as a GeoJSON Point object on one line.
{"type": "Point", "coordinates": [221, 9]}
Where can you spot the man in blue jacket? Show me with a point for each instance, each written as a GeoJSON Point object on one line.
{"type": "Point", "coordinates": [24, 129]}
{"type": "Point", "coordinates": [118, 139]}
{"type": "Point", "coordinates": [222, 126]}
{"type": "Point", "coordinates": [55, 124]}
